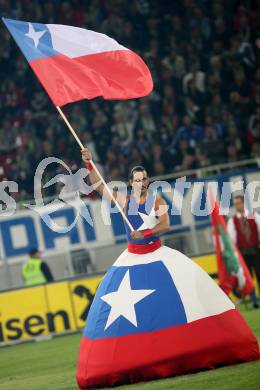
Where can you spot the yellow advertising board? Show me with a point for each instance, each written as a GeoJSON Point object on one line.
{"type": "Point", "coordinates": [22, 314]}
{"type": "Point", "coordinates": [60, 309]}
{"type": "Point", "coordinates": [82, 293]}
{"type": "Point", "coordinates": [208, 263]}
{"type": "Point", "coordinates": [57, 307]}
{"type": "Point", "coordinates": [47, 309]}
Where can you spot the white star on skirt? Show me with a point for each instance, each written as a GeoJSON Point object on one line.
{"type": "Point", "coordinates": [123, 300]}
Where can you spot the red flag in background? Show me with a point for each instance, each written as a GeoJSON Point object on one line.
{"type": "Point", "coordinates": [233, 273]}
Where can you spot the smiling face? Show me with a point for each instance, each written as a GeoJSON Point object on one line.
{"type": "Point", "coordinates": [139, 182]}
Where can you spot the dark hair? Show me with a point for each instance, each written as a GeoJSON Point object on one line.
{"type": "Point", "coordinates": [33, 251]}
{"type": "Point", "coordinates": [241, 197]}
{"type": "Point", "coordinates": [138, 168]}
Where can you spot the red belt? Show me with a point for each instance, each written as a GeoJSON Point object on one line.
{"type": "Point", "coordinates": [144, 248]}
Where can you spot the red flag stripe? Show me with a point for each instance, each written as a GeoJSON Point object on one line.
{"type": "Point", "coordinates": [203, 344]}
{"type": "Point", "coordinates": [120, 74]}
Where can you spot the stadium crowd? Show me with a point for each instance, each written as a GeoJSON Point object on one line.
{"type": "Point", "coordinates": [205, 107]}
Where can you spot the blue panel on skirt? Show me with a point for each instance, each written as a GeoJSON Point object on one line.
{"type": "Point", "coordinates": [161, 309]}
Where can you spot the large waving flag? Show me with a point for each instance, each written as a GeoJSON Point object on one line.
{"type": "Point", "coordinates": [156, 315]}
{"type": "Point", "coordinates": [233, 273]}
{"type": "Point", "coordinates": [74, 63]}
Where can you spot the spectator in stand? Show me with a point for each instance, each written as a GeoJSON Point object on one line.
{"type": "Point", "coordinates": [212, 145]}
{"type": "Point", "coordinates": [183, 156]}
{"type": "Point", "coordinates": [217, 126]}
{"type": "Point", "coordinates": [257, 133]}
{"type": "Point", "coordinates": [232, 153]}
{"type": "Point", "coordinates": [123, 128]}
{"type": "Point", "coordinates": [77, 118]}
{"type": "Point", "coordinates": [160, 155]}
{"type": "Point", "coordinates": [69, 14]}
{"type": "Point", "coordinates": [255, 101]}
{"type": "Point", "coordinates": [201, 159]}
{"type": "Point", "coordinates": [241, 87]}
{"type": "Point", "coordinates": [158, 168]}
{"type": "Point", "coordinates": [254, 120]}
{"type": "Point", "coordinates": [13, 97]}
{"type": "Point", "coordinates": [142, 142]}
{"type": "Point", "coordinates": [255, 150]}
{"type": "Point", "coordinates": [216, 107]}
{"type": "Point", "coordinates": [254, 141]}
{"type": "Point", "coordinates": [136, 157]}
{"type": "Point", "coordinates": [204, 61]}
{"type": "Point", "coordinates": [195, 95]}
{"type": "Point", "coordinates": [194, 74]}
{"type": "Point", "coordinates": [146, 120]}
{"type": "Point", "coordinates": [192, 110]}
{"type": "Point", "coordinates": [233, 137]}
{"type": "Point", "coordinates": [101, 135]}
{"type": "Point", "coordinates": [190, 132]}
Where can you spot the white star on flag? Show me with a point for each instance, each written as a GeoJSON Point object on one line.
{"type": "Point", "coordinates": [149, 221]}
{"type": "Point", "coordinates": [122, 301]}
{"type": "Point", "coordinates": [35, 35]}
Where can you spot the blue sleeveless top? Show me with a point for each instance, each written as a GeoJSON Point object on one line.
{"type": "Point", "coordinates": [141, 217]}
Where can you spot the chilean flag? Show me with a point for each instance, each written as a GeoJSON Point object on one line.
{"type": "Point", "coordinates": [156, 315]}
{"type": "Point", "coordinates": [74, 63]}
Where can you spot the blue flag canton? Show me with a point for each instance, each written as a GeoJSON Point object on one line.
{"type": "Point", "coordinates": [161, 308]}
{"type": "Point", "coordinates": [34, 39]}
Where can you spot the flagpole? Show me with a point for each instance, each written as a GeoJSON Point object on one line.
{"type": "Point", "coordinates": [95, 168]}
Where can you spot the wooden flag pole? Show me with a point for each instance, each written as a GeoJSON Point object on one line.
{"type": "Point", "coordinates": [95, 168]}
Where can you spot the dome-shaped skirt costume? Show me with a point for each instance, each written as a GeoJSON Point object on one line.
{"type": "Point", "coordinates": [158, 314]}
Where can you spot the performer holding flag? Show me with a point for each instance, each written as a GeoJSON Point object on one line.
{"type": "Point", "coordinates": [156, 313]}
{"type": "Point", "coordinates": [157, 209]}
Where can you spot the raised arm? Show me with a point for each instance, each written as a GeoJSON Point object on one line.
{"type": "Point", "coordinates": [95, 180]}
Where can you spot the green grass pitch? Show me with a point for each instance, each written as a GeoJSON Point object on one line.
{"type": "Point", "coordinates": [51, 365]}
